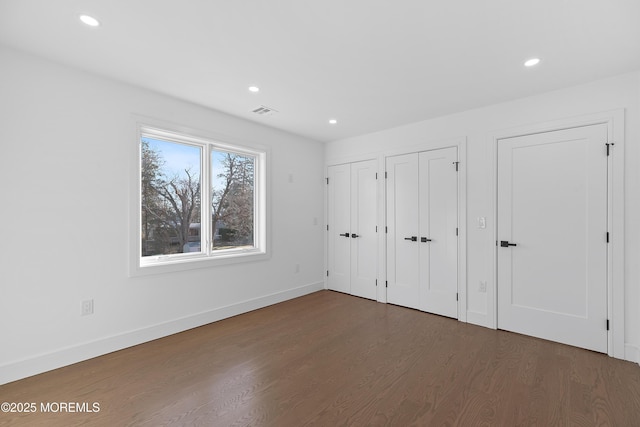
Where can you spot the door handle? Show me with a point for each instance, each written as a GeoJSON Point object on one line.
{"type": "Point", "coordinates": [506, 244]}
{"type": "Point", "coordinates": [345, 234]}
{"type": "Point", "coordinates": [424, 240]}
{"type": "Point", "coordinates": [354, 235]}
{"type": "Point", "coordinates": [412, 238]}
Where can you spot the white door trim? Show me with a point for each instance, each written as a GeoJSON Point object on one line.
{"type": "Point", "coordinates": [615, 287]}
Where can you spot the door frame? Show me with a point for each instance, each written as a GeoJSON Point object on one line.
{"type": "Point", "coordinates": [614, 120]}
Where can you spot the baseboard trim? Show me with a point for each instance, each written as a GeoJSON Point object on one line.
{"type": "Point", "coordinates": [631, 353]}
{"type": "Point", "coordinates": [17, 370]}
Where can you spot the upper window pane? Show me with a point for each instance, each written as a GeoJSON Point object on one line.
{"type": "Point", "coordinates": [232, 200]}
{"type": "Point", "coordinates": [170, 197]}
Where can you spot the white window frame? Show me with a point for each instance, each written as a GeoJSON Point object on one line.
{"type": "Point", "coordinates": [207, 258]}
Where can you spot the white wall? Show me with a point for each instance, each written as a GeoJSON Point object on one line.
{"type": "Point", "coordinates": [66, 141]}
{"type": "Point", "coordinates": [477, 126]}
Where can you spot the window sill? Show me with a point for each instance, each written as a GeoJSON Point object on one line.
{"type": "Point", "coordinates": [161, 266]}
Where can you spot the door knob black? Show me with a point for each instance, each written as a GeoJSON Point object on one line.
{"type": "Point", "coordinates": [506, 244]}
{"type": "Point", "coordinates": [412, 238]}
{"type": "Point", "coordinates": [354, 235]}
{"type": "Point", "coordinates": [424, 240]}
{"type": "Point", "coordinates": [345, 234]}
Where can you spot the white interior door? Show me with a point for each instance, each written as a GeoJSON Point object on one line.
{"type": "Point", "coordinates": [364, 241]}
{"type": "Point", "coordinates": [403, 231]}
{"type": "Point", "coordinates": [339, 233]}
{"type": "Point", "coordinates": [438, 232]}
{"type": "Point", "coordinates": [552, 207]}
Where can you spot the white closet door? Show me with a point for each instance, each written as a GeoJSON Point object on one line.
{"type": "Point", "coordinates": [364, 241]}
{"type": "Point", "coordinates": [438, 238]}
{"type": "Point", "coordinates": [552, 224]}
{"type": "Point", "coordinates": [403, 230]}
{"type": "Point", "coordinates": [339, 233]}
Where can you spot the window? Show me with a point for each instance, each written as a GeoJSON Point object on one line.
{"type": "Point", "coordinates": [199, 200]}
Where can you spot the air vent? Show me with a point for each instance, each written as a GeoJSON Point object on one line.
{"type": "Point", "coordinates": [264, 111]}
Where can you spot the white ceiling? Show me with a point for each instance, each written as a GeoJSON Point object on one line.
{"type": "Point", "coordinates": [371, 64]}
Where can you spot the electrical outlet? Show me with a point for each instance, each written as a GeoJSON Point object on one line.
{"type": "Point", "coordinates": [87, 307]}
{"type": "Point", "coordinates": [483, 286]}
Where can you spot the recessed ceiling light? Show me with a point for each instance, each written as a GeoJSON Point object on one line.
{"type": "Point", "coordinates": [90, 20]}
{"type": "Point", "coordinates": [254, 89]}
{"type": "Point", "coordinates": [531, 62]}
{"type": "Point", "coordinates": [333, 121]}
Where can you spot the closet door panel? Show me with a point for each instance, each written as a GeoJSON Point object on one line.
{"type": "Point", "coordinates": [438, 232]}
{"type": "Point", "coordinates": [339, 221]}
{"type": "Point", "coordinates": [364, 239]}
{"type": "Point", "coordinates": [403, 232]}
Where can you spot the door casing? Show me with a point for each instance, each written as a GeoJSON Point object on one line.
{"type": "Point", "coordinates": [615, 258]}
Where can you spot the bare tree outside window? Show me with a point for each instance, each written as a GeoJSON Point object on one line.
{"type": "Point", "coordinates": [171, 211]}
{"type": "Point", "coordinates": [170, 197]}
{"type": "Point", "coordinates": [232, 200]}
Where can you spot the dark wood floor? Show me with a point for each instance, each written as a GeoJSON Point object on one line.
{"type": "Point", "coordinates": [329, 359]}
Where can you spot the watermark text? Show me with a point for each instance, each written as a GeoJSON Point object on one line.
{"type": "Point", "coordinates": [55, 407]}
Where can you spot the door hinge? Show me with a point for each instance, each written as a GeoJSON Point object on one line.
{"type": "Point", "coordinates": [385, 174]}
{"type": "Point", "coordinates": [327, 181]}
{"type": "Point", "coordinates": [607, 237]}
{"type": "Point", "coordinates": [376, 282]}
{"type": "Point", "coordinates": [456, 231]}
{"type": "Point", "coordinates": [456, 163]}
{"type": "Point", "coordinates": [456, 296]}
{"type": "Point", "coordinates": [376, 228]}
{"type": "Point", "coordinates": [609, 145]}
{"type": "Point", "coordinates": [327, 273]}
{"type": "Point", "coordinates": [607, 324]}
{"type": "Point", "coordinates": [376, 175]}
{"type": "Point", "coordinates": [327, 227]}
{"type": "Point", "coordinates": [386, 284]}
{"type": "Point", "coordinates": [386, 230]}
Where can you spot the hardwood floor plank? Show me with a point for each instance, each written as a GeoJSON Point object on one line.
{"type": "Point", "coordinates": [329, 359]}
